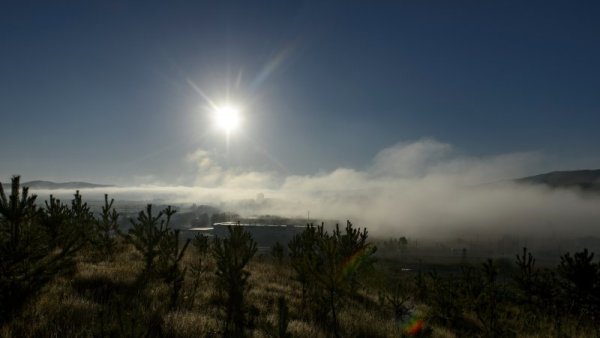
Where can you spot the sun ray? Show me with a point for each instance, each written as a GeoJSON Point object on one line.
{"type": "Point", "coordinates": [204, 96]}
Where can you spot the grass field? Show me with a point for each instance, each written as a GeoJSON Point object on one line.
{"type": "Point", "coordinates": [100, 299]}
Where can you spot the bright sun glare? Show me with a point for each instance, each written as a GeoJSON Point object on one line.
{"type": "Point", "coordinates": [227, 118]}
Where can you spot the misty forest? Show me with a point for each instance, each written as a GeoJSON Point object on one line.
{"type": "Point", "coordinates": [69, 270]}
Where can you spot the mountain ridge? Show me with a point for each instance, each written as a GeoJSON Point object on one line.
{"type": "Point", "coordinates": [585, 179]}
{"type": "Point", "coordinates": [41, 184]}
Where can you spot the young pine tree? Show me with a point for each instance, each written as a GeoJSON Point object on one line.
{"type": "Point", "coordinates": [146, 235]}
{"type": "Point", "coordinates": [53, 218]}
{"type": "Point", "coordinates": [302, 248]}
{"type": "Point", "coordinates": [82, 219]}
{"type": "Point", "coordinates": [232, 254]}
{"type": "Point", "coordinates": [107, 230]}
{"type": "Point", "coordinates": [581, 283]}
{"type": "Point", "coordinates": [330, 264]}
{"type": "Point", "coordinates": [198, 266]}
{"type": "Point", "coordinates": [526, 276]}
{"type": "Point", "coordinates": [30, 253]}
{"type": "Point", "coordinates": [169, 263]}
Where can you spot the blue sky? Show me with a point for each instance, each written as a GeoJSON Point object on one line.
{"type": "Point", "coordinates": [102, 91]}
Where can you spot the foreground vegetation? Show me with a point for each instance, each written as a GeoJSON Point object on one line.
{"type": "Point", "coordinates": [65, 271]}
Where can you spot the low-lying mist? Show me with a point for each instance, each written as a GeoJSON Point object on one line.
{"type": "Point", "coordinates": [424, 189]}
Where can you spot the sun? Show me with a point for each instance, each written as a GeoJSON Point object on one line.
{"type": "Point", "coordinates": [227, 118]}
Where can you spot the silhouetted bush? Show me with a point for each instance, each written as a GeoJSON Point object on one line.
{"type": "Point", "coordinates": [107, 230]}
{"type": "Point", "coordinates": [197, 267]}
{"type": "Point", "coordinates": [488, 304]}
{"type": "Point", "coordinates": [302, 248]}
{"type": "Point", "coordinates": [330, 265]}
{"type": "Point", "coordinates": [147, 235]}
{"type": "Point", "coordinates": [232, 254]}
{"type": "Point", "coordinates": [526, 277]}
{"type": "Point", "coordinates": [82, 219]}
{"type": "Point", "coordinates": [581, 283]}
{"type": "Point", "coordinates": [398, 296]}
{"type": "Point", "coordinates": [35, 246]}
{"type": "Point", "coordinates": [445, 301]}
{"type": "Point", "coordinates": [159, 245]}
{"type": "Point", "coordinates": [169, 264]}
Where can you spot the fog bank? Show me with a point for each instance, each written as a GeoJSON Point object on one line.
{"type": "Point", "coordinates": [421, 189]}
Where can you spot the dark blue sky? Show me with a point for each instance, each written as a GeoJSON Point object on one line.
{"type": "Point", "coordinates": [101, 92]}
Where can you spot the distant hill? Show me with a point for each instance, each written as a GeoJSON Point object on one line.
{"type": "Point", "coordinates": [588, 180]}
{"type": "Point", "coordinates": [54, 185]}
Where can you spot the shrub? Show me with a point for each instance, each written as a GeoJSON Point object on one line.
{"type": "Point", "coordinates": [488, 303]}
{"type": "Point", "coordinates": [159, 245]}
{"type": "Point", "coordinates": [330, 264]}
{"type": "Point", "coordinates": [302, 248]}
{"type": "Point", "coordinates": [82, 219]}
{"type": "Point", "coordinates": [197, 267]}
{"type": "Point", "coordinates": [526, 277]}
{"type": "Point", "coordinates": [445, 301]}
{"type": "Point", "coordinates": [232, 254]}
{"type": "Point", "coordinates": [107, 230]}
{"type": "Point", "coordinates": [31, 253]}
{"type": "Point", "coordinates": [147, 235]}
{"type": "Point", "coordinates": [581, 284]}
{"type": "Point", "coordinates": [398, 297]}
{"type": "Point", "coordinates": [168, 264]}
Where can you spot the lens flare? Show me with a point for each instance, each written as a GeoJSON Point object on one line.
{"type": "Point", "coordinates": [352, 263]}
{"type": "Point", "coordinates": [414, 327]}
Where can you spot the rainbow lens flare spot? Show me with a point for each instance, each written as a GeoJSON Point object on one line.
{"type": "Point", "coordinates": [414, 327]}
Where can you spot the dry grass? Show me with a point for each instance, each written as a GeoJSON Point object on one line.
{"type": "Point", "coordinates": [57, 312]}
{"type": "Point", "coordinates": [190, 324]}
{"type": "Point", "coordinates": [83, 305]}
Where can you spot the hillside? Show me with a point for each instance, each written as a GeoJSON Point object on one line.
{"type": "Point", "coordinates": [34, 185]}
{"type": "Point", "coordinates": [588, 180]}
